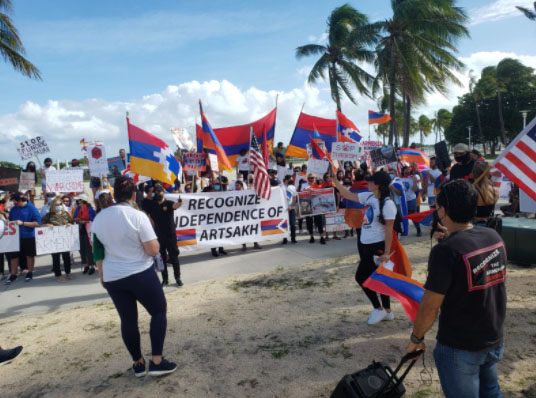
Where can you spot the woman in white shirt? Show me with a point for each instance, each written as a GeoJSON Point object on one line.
{"type": "Point", "coordinates": [127, 273]}
{"type": "Point", "coordinates": [379, 214]}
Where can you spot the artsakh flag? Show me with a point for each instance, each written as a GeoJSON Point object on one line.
{"type": "Point", "coordinates": [346, 129]}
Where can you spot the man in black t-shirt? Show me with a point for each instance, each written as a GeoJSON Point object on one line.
{"type": "Point", "coordinates": [161, 213]}
{"type": "Point", "coordinates": [463, 169]}
{"type": "Point", "coordinates": [148, 202]}
{"type": "Point", "coordinates": [466, 275]}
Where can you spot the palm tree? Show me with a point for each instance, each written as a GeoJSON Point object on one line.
{"type": "Point", "coordinates": [476, 92]}
{"type": "Point", "coordinates": [424, 125]}
{"type": "Point", "coordinates": [442, 121]}
{"type": "Point", "coordinates": [350, 37]}
{"type": "Point", "coordinates": [416, 50]}
{"type": "Point", "coordinates": [492, 85]}
{"type": "Point", "coordinates": [528, 13]}
{"type": "Point", "coordinates": [11, 47]}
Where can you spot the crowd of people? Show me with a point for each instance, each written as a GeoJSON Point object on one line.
{"type": "Point", "coordinates": [132, 224]}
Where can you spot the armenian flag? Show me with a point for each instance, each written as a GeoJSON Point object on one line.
{"type": "Point", "coordinates": [211, 142]}
{"type": "Point", "coordinates": [186, 237]}
{"type": "Point", "coordinates": [274, 227]}
{"type": "Point", "coordinates": [151, 157]}
{"type": "Point", "coordinates": [399, 185]}
{"type": "Point", "coordinates": [306, 126]}
{"type": "Point", "coordinates": [378, 118]}
{"type": "Point", "coordinates": [353, 215]}
{"type": "Point", "coordinates": [414, 155]}
{"type": "Point", "coordinates": [346, 129]}
{"type": "Point", "coordinates": [235, 138]}
{"type": "Point", "coordinates": [425, 218]}
{"type": "Point", "coordinates": [407, 291]}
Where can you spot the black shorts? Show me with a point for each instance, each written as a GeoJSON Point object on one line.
{"type": "Point", "coordinates": [27, 249]}
{"type": "Point", "coordinates": [95, 182]}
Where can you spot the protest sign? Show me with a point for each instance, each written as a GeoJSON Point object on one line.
{"type": "Point", "coordinates": [335, 222]}
{"type": "Point", "coordinates": [9, 236]}
{"type": "Point", "coordinates": [316, 201]}
{"type": "Point", "coordinates": [213, 159]}
{"type": "Point", "coordinates": [526, 203]}
{"type": "Point", "coordinates": [194, 161]}
{"type": "Point", "coordinates": [502, 183]}
{"type": "Point", "coordinates": [56, 240]}
{"type": "Point", "coordinates": [29, 148]}
{"type": "Point", "coordinates": [98, 165]}
{"type": "Point", "coordinates": [371, 145]}
{"type": "Point", "coordinates": [214, 219]}
{"type": "Point", "coordinates": [382, 156]}
{"type": "Point", "coordinates": [317, 167]}
{"type": "Point", "coordinates": [65, 180]}
{"type": "Point", "coordinates": [9, 179]}
{"type": "Point", "coordinates": [115, 166]}
{"type": "Point", "coordinates": [182, 139]}
{"type": "Point", "coordinates": [27, 181]}
{"type": "Point", "coordinates": [309, 147]}
{"type": "Point", "coordinates": [346, 151]}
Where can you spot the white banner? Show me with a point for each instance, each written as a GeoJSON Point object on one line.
{"type": "Point", "coordinates": [29, 148]}
{"type": "Point", "coordinates": [98, 164]}
{"type": "Point", "coordinates": [317, 167]}
{"type": "Point", "coordinates": [27, 181]}
{"type": "Point", "coordinates": [65, 180]}
{"type": "Point", "coordinates": [335, 222]}
{"type": "Point", "coordinates": [57, 239]}
{"type": "Point", "coordinates": [346, 151]}
{"type": "Point", "coordinates": [9, 237]}
{"type": "Point", "coordinates": [316, 201]}
{"type": "Point", "coordinates": [214, 219]}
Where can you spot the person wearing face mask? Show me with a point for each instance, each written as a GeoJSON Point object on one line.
{"type": "Point", "coordinates": [30, 168]}
{"type": "Point", "coordinates": [463, 169]}
{"type": "Point", "coordinates": [57, 216]}
{"type": "Point", "coordinates": [409, 182]}
{"type": "Point", "coordinates": [43, 172]}
{"type": "Point", "coordinates": [232, 185]}
{"type": "Point", "coordinates": [162, 214]}
{"type": "Point", "coordinates": [148, 202]}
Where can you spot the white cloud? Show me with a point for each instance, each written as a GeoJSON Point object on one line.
{"type": "Point", "coordinates": [318, 39]}
{"type": "Point", "coordinates": [497, 10]}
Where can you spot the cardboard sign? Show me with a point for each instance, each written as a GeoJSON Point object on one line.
{"type": "Point", "coordinates": [29, 148]}
{"type": "Point", "coordinates": [9, 236]}
{"type": "Point", "coordinates": [27, 181]}
{"type": "Point", "coordinates": [115, 166]}
{"type": "Point", "coordinates": [9, 179]}
{"type": "Point", "coordinates": [335, 222]}
{"type": "Point", "coordinates": [214, 219]}
{"type": "Point", "coordinates": [182, 139]}
{"type": "Point", "coordinates": [57, 239]}
{"type": "Point", "coordinates": [382, 156]}
{"type": "Point", "coordinates": [98, 164]}
{"type": "Point", "coordinates": [309, 147]}
{"type": "Point", "coordinates": [317, 201]}
{"type": "Point", "coordinates": [346, 151]}
{"type": "Point", "coordinates": [65, 180]}
{"type": "Point", "coordinates": [317, 167]}
{"type": "Point", "coordinates": [213, 160]}
{"type": "Point", "coordinates": [194, 161]}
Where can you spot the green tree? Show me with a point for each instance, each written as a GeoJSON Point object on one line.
{"type": "Point", "coordinates": [476, 92]}
{"type": "Point", "coordinates": [424, 126]}
{"type": "Point", "coordinates": [350, 38]}
{"type": "Point", "coordinates": [11, 46]}
{"type": "Point", "coordinates": [5, 163]}
{"type": "Point", "coordinates": [415, 54]}
{"type": "Point", "coordinates": [528, 13]}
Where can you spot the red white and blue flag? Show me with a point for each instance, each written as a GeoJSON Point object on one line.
{"type": "Point", "coordinates": [261, 180]}
{"type": "Point", "coordinates": [518, 160]}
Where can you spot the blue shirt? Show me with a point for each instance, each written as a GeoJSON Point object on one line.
{"type": "Point", "coordinates": [26, 213]}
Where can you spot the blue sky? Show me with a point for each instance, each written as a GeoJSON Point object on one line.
{"type": "Point", "coordinates": [155, 58]}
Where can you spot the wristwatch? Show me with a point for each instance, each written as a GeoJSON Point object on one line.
{"type": "Point", "coordinates": [415, 340]}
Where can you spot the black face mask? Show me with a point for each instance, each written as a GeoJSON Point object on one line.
{"type": "Point", "coordinates": [462, 159]}
{"type": "Point", "coordinates": [158, 197]}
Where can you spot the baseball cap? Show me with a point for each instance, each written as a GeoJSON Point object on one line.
{"type": "Point", "coordinates": [460, 148]}
{"type": "Point", "coordinates": [100, 193]}
{"type": "Point", "coordinates": [379, 178]}
{"type": "Point", "coordinates": [75, 161]}
{"type": "Point", "coordinates": [18, 196]}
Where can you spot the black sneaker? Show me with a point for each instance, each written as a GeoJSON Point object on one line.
{"type": "Point", "coordinates": [312, 240]}
{"type": "Point", "coordinates": [6, 356]}
{"type": "Point", "coordinates": [12, 278]}
{"type": "Point", "coordinates": [214, 253]}
{"type": "Point", "coordinates": [285, 241]}
{"type": "Point", "coordinates": [221, 251]}
{"type": "Point", "coordinates": [293, 241]}
{"type": "Point", "coordinates": [86, 269]}
{"type": "Point", "coordinates": [29, 277]}
{"type": "Point", "coordinates": [139, 369]}
{"type": "Point", "coordinates": [322, 241]}
{"type": "Point", "coordinates": [165, 282]}
{"type": "Point", "coordinates": [179, 282]}
{"type": "Point", "coordinates": [163, 368]}
{"type": "Point", "coordinates": [91, 271]}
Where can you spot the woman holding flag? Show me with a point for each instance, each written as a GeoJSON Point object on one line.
{"type": "Point", "coordinates": [379, 214]}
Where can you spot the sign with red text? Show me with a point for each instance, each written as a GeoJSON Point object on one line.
{"type": "Point", "coordinates": [346, 151]}
{"type": "Point", "coordinates": [9, 236]}
{"type": "Point", "coordinates": [194, 161]}
{"type": "Point", "coordinates": [65, 180]}
{"type": "Point", "coordinates": [98, 164]}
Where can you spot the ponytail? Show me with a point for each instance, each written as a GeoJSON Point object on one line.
{"type": "Point", "coordinates": [384, 194]}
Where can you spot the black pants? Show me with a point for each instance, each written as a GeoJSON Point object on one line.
{"type": "Point", "coordinates": [86, 253]}
{"type": "Point", "coordinates": [359, 244]}
{"type": "Point", "coordinates": [366, 267]}
{"type": "Point", "coordinates": [145, 288]}
{"type": "Point", "coordinates": [292, 223]}
{"type": "Point", "coordinates": [318, 222]}
{"type": "Point", "coordinates": [300, 224]}
{"type": "Point", "coordinates": [66, 256]}
{"type": "Point", "coordinates": [168, 247]}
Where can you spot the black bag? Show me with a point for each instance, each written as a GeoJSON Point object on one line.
{"type": "Point", "coordinates": [495, 222]}
{"type": "Point", "coordinates": [375, 381]}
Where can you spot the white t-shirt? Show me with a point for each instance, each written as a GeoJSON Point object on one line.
{"type": "Point", "coordinates": [243, 162]}
{"type": "Point", "coordinates": [45, 169]}
{"type": "Point", "coordinates": [430, 190]}
{"type": "Point", "coordinates": [408, 184]}
{"type": "Point", "coordinates": [291, 192]}
{"type": "Point", "coordinates": [372, 230]}
{"type": "Point", "coordinates": [122, 229]}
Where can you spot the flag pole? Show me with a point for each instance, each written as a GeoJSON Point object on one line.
{"type": "Point", "coordinates": [369, 132]}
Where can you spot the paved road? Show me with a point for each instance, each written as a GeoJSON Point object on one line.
{"type": "Point", "coordinates": [45, 294]}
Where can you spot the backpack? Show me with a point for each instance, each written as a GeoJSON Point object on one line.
{"type": "Point", "coordinates": [397, 225]}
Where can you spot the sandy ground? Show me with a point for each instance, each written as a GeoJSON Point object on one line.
{"type": "Point", "coordinates": [293, 332]}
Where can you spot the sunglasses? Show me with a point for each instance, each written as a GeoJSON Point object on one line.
{"type": "Point", "coordinates": [311, 178]}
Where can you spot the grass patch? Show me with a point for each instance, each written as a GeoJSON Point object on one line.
{"type": "Point", "coordinates": [275, 346]}
{"type": "Point", "coordinates": [274, 283]}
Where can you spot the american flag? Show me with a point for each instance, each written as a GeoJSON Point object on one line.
{"type": "Point", "coordinates": [261, 180]}
{"type": "Point", "coordinates": [518, 160]}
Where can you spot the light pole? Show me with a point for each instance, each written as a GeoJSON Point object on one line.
{"type": "Point", "coordinates": [524, 113]}
{"type": "Point", "coordinates": [469, 128]}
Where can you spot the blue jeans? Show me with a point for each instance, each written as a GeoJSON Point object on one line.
{"type": "Point", "coordinates": [412, 208]}
{"type": "Point", "coordinates": [292, 223]}
{"type": "Point", "coordinates": [431, 200]}
{"type": "Point", "coordinates": [466, 374]}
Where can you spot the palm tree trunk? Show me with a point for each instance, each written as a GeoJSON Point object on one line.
{"type": "Point", "coordinates": [407, 120]}
{"type": "Point", "coordinates": [480, 128]}
{"type": "Point", "coordinates": [422, 146]}
{"type": "Point", "coordinates": [392, 97]}
{"type": "Point", "coordinates": [501, 118]}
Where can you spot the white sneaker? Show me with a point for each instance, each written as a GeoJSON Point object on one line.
{"type": "Point", "coordinates": [389, 317]}
{"type": "Point", "coordinates": [376, 316]}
